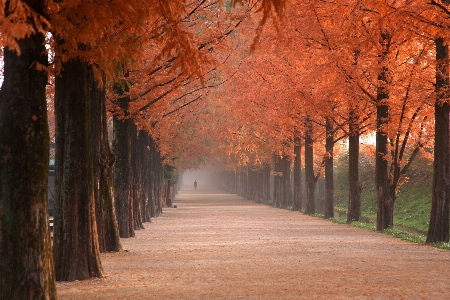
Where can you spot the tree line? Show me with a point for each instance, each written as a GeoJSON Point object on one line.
{"type": "Point", "coordinates": [362, 69]}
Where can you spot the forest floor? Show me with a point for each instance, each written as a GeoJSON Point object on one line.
{"type": "Point", "coordinates": [221, 246]}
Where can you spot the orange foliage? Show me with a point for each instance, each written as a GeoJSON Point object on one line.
{"type": "Point", "coordinates": [197, 87]}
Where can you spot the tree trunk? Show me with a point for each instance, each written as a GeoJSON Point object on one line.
{"type": "Point", "coordinates": [275, 201]}
{"type": "Point", "coordinates": [136, 180]}
{"type": "Point", "coordinates": [279, 182]}
{"type": "Point", "coordinates": [155, 182]}
{"type": "Point", "coordinates": [157, 179]}
{"type": "Point", "coordinates": [145, 180]}
{"type": "Point", "coordinates": [122, 177]}
{"type": "Point", "coordinates": [26, 259]}
{"type": "Point", "coordinates": [151, 179]}
{"type": "Point", "coordinates": [103, 159]}
{"type": "Point", "coordinates": [252, 174]}
{"type": "Point", "coordinates": [168, 200]}
{"type": "Point", "coordinates": [355, 187]}
{"type": "Point", "coordinates": [76, 248]}
{"type": "Point", "coordinates": [310, 177]}
{"type": "Point", "coordinates": [438, 230]}
{"type": "Point", "coordinates": [288, 187]}
{"type": "Point", "coordinates": [329, 174]}
{"type": "Point", "coordinates": [297, 205]}
{"type": "Point", "coordinates": [385, 205]}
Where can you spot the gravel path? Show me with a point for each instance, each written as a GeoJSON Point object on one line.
{"type": "Point", "coordinates": [221, 246]}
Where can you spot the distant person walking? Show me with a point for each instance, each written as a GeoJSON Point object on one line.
{"type": "Point", "coordinates": [195, 184]}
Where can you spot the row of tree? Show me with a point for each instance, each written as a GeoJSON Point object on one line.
{"type": "Point", "coordinates": [359, 68]}
{"type": "Point", "coordinates": [99, 196]}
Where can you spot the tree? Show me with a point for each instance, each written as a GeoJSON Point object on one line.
{"type": "Point", "coordinates": [355, 187]}
{"type": "Point", "coordinates": [122, 174]}
{"type": "Point", "coordinates": [310, 177]}
{"type": "Point", "coordinates": [86, 40]}
{"type": "Point", "coordinates": [438, 230]}
{"type": "Point", "coordinates": [26, 262]}
{"type": "Point", "coordinates": [103, 159]}
{"type": "Point", "coordinates": [297, 202]}
{"type": "Point", "coordinates": [385, 217]}
{"type": "Point", "coordinates": [143, 163]}
{"type": "Point", "coordinates": [329, 177]}
{"type": "Point", "coordinates": [76, 248]}
{"type": "Point", "coordinates": [137, 163]}
{"type": "Point", "coordinates": [392, 56]}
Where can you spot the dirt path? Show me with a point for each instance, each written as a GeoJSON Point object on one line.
{"type": "Point", "coordinates": [219, 246]}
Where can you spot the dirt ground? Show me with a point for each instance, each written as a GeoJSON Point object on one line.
{"type": "Point", "coordinates": [220, 246]}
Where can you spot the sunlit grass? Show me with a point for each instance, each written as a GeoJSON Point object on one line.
{"type": "Point", "coordinates": [412, 206]}
{"type": "Point", "coordinates": [339, 220]}
{"type": "Point", "coordinates": [317, 215]}
{"type": "Point", "coordinates": [406, 236]}
{"type": "Point", "coordinates": [364, 225]}
{"type": "Point", "coordinates": [413, 237]}
{"type": "Point", "coordinates": [445, 246]}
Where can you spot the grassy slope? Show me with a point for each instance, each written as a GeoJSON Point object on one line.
{"type": "Point", "coordinates": [413, 203]}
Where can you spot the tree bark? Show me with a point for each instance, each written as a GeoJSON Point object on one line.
{"type": "Point", "coordinates": [276, 200]}
{"type": "Point", "coordinates": [122, 177]}
{"type": "Point", "coordinates": [286, 182]}
{"type": "Point", "coordinates": [385, 205]}
{"type": "Point", "coordinates": [168, 200]}
{"type": "Point", "coordinates": [137, 154]}
{"type": "Point", "coordinates": [103, 159]}
{"type": "Point", "coordinates": [279, 182]}
{"type": "Point", "coordinates": [297, 205]}
{"type": "Point", "coordinates": [266, 184]}
{"type": "Point", "coordinates": [145, 177]}
{"type": "Point", "coordinates": [329, 174]}
{"type": "Point", "coordinates": [438, 230]}
{"type": "Point", "coordinates": [26, 259]}
{"type": "Point", "coordinates": [157, 179]}
{"type": "Point", "coordinates": [355, 187]}
{"type": "Point", "coordinates": [123, 168]}
{"type": "Point", "coordinates": [76, 248]}
{"type": "Point", "coordinates": [310, 177]}
{"type": "Point", "coordinates": [288, 194]}
{"type": "Point", "coordinates": [151, 179]}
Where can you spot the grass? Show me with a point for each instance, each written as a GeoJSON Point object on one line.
{"type": "Point", "coordinates": [413, 237]}
{"type": "Point", "coordinates": [339, 220]}
{"type": "Point", "coordinates": [364, 225]}
{"type": "Point", "coordinates": [401, 234]}
{"type": "Point", "coordinates": [404, 235]}
{"type": "Point", "coordinates": [445, 246]}
{"type": "Point", "coordinates": [413, 204]}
